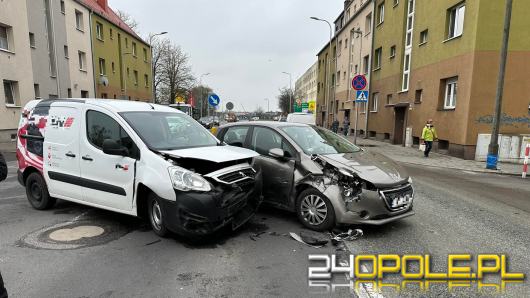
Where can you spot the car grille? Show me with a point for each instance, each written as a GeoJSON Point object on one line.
{"type": "Point", "coordinates": [398, 198]}
{"type": "Point", "coordinates": [237, 176]}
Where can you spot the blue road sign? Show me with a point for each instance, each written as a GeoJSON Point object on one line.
{"type": "Point", "coordinates": [359, 82]}
{"type": "Point", "coordinates": [214, 100]}
{"type": "Point", "coordinates": [362, 96]}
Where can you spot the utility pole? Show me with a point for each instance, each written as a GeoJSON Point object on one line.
{"type": "Point", "coordinates": [493, 149]}
{"type": "Point", "coordinates": [327, 71]}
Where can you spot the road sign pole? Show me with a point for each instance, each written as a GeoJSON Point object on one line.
{"type": "Point", "coordinates": [356, 122]}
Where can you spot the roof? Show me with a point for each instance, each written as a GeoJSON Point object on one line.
{"type": "Point", "coordinates": [129, 106]}
{"type": "Point", "coordinates": [271, 124]}
{"type": "Point", "coordinates": [108, 14]}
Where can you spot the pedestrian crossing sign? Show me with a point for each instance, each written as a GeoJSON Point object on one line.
{"type": "Point", "coordinates": [362, 96]}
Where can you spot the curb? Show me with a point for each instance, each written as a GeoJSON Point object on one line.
{"type": "Point", "coordinates": [469, 170]}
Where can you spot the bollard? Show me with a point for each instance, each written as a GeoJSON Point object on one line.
{"type": "Point", "coordinates": [525, 163]}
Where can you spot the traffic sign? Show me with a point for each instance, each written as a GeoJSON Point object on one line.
{"type": "Point", "coordinates": [359, 82]}
{"type": "Point", "coordinates": [229, 106]}
{"type": "Point", "coordinates": [362, 96]}
{"type": "Point", "coordinates": [214, 100]}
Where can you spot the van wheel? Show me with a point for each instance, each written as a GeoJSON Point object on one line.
{"type": "Point", "coordinates": [315, 211]}
{"type": "Point", "coordinates": [156, 218]}
{"type": "Point", "coordinates": [37, 192]}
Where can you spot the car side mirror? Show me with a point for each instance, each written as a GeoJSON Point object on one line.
{"type": "Point", "coordinates": [277, 153]}
{"type": "Point", "coordinates": [112, 147]}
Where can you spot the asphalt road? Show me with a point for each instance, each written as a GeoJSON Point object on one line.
{"type": "Point", "coordinates": [456, 212]}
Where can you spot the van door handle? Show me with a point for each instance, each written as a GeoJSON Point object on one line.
{"type": "Point", "coordinates": [87, 157]}
{"type": "Point", "coordinates": [70, 154]}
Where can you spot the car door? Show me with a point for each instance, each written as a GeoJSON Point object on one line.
{"type": "Point", "coordinates": [278, 174]}
{"type": "Point", "coordinates": [61, 152]}
{"type": "Point", "coordinates": [108, 180]}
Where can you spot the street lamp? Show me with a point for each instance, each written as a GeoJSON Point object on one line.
{"type": "Point", "coordinates": [290, 90]}
{"type": "Point", "coordinates": [326, 97]}
{"type": "Point", "coordinates": [152, 65]}
{"type": "Point", "coordinates": [268, 105]}
{"type": "Point", "coordinates": [202, 89]}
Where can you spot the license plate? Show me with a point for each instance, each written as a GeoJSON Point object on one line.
{"type": "Point", "coordinates": [401, 201]}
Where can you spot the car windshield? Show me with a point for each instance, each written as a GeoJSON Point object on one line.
{"type": "Point", "coordinates": [316, 140]}
{"type": "Point", "coordinates": [169, 131]}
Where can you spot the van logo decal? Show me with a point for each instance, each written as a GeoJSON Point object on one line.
{"type": "Point", "coordinates": [62, 122]}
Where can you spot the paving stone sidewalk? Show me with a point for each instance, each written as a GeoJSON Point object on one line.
{"type": "Point", "coordinates": [414, 156]}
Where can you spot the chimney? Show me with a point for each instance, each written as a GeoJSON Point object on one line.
{"type": "Point", "coordinates": [103, 4]}
{"type": "Point", "coordinates": [347, 4]}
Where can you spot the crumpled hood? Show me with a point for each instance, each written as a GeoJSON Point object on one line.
{"type": "Point", "coordinates": [370, 166]}
{"type": "Point", "coordinates": [216, 154]}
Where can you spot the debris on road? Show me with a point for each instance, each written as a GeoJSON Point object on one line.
{"type": "Point", "coordinates": [154, 242]}
{"type": "Point", "coordinates": [309, 240]}
{"type": "Point", "coordinates": [338, 236]}
{"type": "Point", "coordinates": [253, 236]}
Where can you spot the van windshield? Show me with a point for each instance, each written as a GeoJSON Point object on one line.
{"type": "Point", "coordinates": [169, 131]}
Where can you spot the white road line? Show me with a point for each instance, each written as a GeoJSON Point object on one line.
{"type": "Point", "coordinates": [15, 197]}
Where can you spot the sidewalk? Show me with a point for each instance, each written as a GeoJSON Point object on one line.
{"type": "Point", "coordinates": [414, 156]}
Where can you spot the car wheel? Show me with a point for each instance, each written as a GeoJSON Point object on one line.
{"type": "Point", "coordinates": [156, 218]}
{"type": "Point", "coordinates": [37, 192]}
{"type": "Point", "coordinates": [315, 211]}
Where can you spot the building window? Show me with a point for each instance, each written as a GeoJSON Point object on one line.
{"type": "Point", "coordinates": [128, 72]}
{"type": "Point", "coordinates": [113, 67]}
{"type": "Point", "coordinates": [381, 13]}
{"type": "Point", "coordinates": [368, 24]}
{"type": "Point", "coordinates": [79, 20]}
{"type": "Point", "coordinates": [408, 46]}
{"type": "Point", "coordinates": [356, 69]}
{"type": "Point", "coordinates": [451, 87]}
{"type": "Point", "coordinates": [338, 78]}
{"type": "Point", "coordinates": [102, 67]}
{"type": "Point", "coordinates": [4, 37]}
{"type": "Point", "coordinates": [366, 62]}
{"type": "Point", "coordinates": [419, 96]}
{"type": "Point", "coordinates": [146, 81]}
{"type": "Point", "coordinates": [374, 102]}
{"type": "Point", "coordinates": [32, 40]}
{"type": "Point", "coordinates": [134, 49]}
{"type": "Point", "coordinates": [456, 21]}
{"type": "Point", "coordinates": [389, 99]}
{"type": "Point", "coordinates": [36, 89]}
{"type": "Point", "coordinates": [66, 54]}
{"type": "Point", "coordinates": [392, 52]}
{"type": "Point", "coordinates": [63, 10]}
{"type": "Point", "coordinates": [69, 93]}
{"type": "Point", "coordinates": [135, 78]}
{"type": "Point", "coordinates": [424, 36]}
{"type": "Point", "coordinates": [84, 94]}
{"type": "Point", "coordinates": [346, 43]}
{"type": "Point", "coordinates": [377, 58]}
{"type": "Point", "coordinates": [10, 92]}
{"type": "Point", "coordinates": [406, 73]}
{"type": "Point", "coordinates": [99, 31]}
{"type": "Point", "coordinates": [111, 33]}
{"type": "Point", "coordinates": [82, 60]}
{"type": "Point", "coordinates": [145, 55]}
{"type": "Point", "coordinates": [126, 43]}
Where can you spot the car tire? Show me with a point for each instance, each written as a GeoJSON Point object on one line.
{"type": "Point", "coordinates": [155, 215]}
{"type": "Point", "coordinates": [37, 192]}
{"type": "Point", "coordinates": [311, 206]}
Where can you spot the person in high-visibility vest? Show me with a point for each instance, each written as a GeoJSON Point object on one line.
{"type": "Point", "coordinates": [428, 136]}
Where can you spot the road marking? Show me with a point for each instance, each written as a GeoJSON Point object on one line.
{"type": "Point", "coordinates": [15, 197]}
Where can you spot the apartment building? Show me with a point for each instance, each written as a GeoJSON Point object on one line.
{"type": "Point", "coordinates": [351, 49]}
{"type": "Point", "coordinates": [306, 85]}
{"type": "Point", "coordinates": [16, 76]}
{"type": "Point", "coordinates": [122, 60]}
{"type": "Point", "coordinates": [439, 60]}
{"type": "Point", "coordinates": [49, 48]}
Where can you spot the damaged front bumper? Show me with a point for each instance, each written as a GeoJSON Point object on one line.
{"type": "Point", "coordinates": [199, 214]}
{"type": "Point", "coordinates": [369, 207]}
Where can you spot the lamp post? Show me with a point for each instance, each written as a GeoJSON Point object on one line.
{"type": "Point", "coordinates": [290, 90]}
{"type": "Point", "coordinates": [268, 105]}
{"type": "Point", "coordinates": [326, 95]}
{"type": "Point", "coordinates": [153, 74]}
{"type": "Point", "coordinates": [123, 74]}
{"type": "Point", "coordinates": [202, 89]}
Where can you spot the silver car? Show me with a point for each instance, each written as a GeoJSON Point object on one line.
{"type": "Point", "coordinates": [323, 177]}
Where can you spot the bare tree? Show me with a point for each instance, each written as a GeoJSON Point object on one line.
{"type": "Point", "coordinates": [160, 47]}
{"type": "Point", "coordinates": [127, 19]}
{"type": "Point", "coordinates": [175, 73]}
{"type": "Point", "coordinates": [284, 99]}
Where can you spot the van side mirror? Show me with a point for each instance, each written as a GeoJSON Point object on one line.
{"type": "Point", "coordinates": [277, 153]}
{"type": "Point", "coordinates": [112, 147]}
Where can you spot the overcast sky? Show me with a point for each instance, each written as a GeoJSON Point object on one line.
{"type": "Point", "coordinates": [244, 44]}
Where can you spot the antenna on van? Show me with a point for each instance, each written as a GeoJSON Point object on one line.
{"type": "Point", "coordinates": [152, 107]}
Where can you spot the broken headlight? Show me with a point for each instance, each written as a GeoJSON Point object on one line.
{"type": "Point", "coordinates": [186, 180]}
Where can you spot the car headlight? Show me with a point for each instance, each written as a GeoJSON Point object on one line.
{"type": "Point", "coordinates": [185, 180]}
{"type": "Point", "coordinates": [410, 180]}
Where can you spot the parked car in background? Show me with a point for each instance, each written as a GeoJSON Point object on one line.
{"type": "Point", "coordinates": [304, 118]}
{"type": "Point", "coordinates": [138, 159]}
{"type": "Point", "coordinates": [323, 177]}
{"type": "Point", "coordinates": [209, 121]}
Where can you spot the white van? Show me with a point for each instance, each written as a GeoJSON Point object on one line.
{"type": "Point", "coordinates": [135, 158]}
{"type": "Point", "coordinates": [303, 118]}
